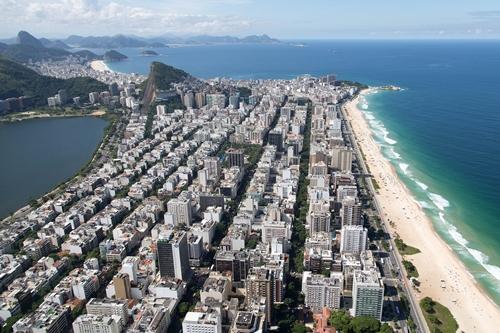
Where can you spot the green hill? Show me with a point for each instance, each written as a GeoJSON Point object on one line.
{"type": "Point", "coordinates": [164, 75]}
{"type": "Point", "coordinates": [114, 56]}
{"type": "Point", "coordinates": [18, 80]}
{"type": "Point", "coordinates": [24, 53]}
{"type": "Point", "coordinates": [160, 77]}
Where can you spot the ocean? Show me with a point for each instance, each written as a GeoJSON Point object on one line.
{"type": "Point", "coordinates": [38, 154]}
{"type": "Point", "coordinates": [441, 132]}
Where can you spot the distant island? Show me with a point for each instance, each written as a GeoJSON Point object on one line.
{"type": "Point", "coordinates": [149, 53]}
{"type": "Point", "coordinates": [114, 56]}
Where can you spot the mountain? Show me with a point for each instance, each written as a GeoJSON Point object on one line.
{"type": "Point", "coordinates": [114, 56]}
{"type": "Point", "coordinates": [25, 38]}
{"type": "Point", "coordinates": [120, 41]}
{"type": "Point", "coordinates": [162, 76]}
{"type": "Point", "coordinates": [57, 44]}
{"type": "Point", "coordinates": [107, 42]}
{"type": "Point", "coordinates": [87, 55]}
{"type": "Point", "coordinates": [24, 53]}
{"type": "Point", "coordinates": [260, 39]}
{"type": "Point", "coordinates": [207, 39]}
{"type": "Point", "coordinates": [18, 80]}
{"type": "Point", "coordinates": [30, 48]}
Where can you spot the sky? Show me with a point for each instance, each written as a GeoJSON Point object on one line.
{"type": "Point", "coordinates": [286, 19]}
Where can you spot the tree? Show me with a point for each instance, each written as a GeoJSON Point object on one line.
{"type": "Point", "coordinates": [365, 324]}
{"type": "Point", "coordinates": [183, 308]}
{"type": "Point", "coordinates": [385, 328]}
{"type": "Point", "coordinates": [435, 320]}
{"type": "Point", "coordinates": [341, 320]}
{"type": "Point", "coordinates": [298, 328]}
{"type": "Point", "coordinates": [427, 304]}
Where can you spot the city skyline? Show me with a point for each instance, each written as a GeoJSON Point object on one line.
{"type": "Point", "coordinates": [320, 20]}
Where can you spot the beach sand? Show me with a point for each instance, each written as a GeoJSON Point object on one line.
{"type": "Point", "coordinates": [442, 275]}
{"type": "Point", "coordinates": [100, 66]}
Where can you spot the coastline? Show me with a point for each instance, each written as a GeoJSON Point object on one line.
{"type": "Point", "coordinates": [99, 66]}
{"type": "Point", "coordinates": [469, 304]}
{"type": "Point", "coordinates": [33, 115]}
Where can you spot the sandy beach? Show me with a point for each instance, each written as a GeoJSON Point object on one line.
{"type": "Point", "coordinates": [442, 275]}
{"type": "Point", "coordinates": [100, 66]}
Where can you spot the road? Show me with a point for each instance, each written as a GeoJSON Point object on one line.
{"type": "Point", "coordinates": [394, 257]}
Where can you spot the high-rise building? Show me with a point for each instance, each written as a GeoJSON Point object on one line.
{"type": "Point", "coordinates": [130, 266]}
{"type": "Point", "coordinates": [276, 138]}
{"type": "Point", "coordinates": [275, 230]}
{"type": "Point", "coordinates": [113, 89]}
{"type": "Point", "coordinates": [216, 100]}
{"type": "Point", "coordinates": [341, 159]}
{"type": "Point", "coordinates": [235, 157]}
{"type": "Point", "coordinates": [321, 291]}
{"type": "Point", "coordinates": [181, 210]}
{"type": "Point", "coordinates": [202, 322]}
{"type": "Point", "coordinates": [97, 324]}
{"type": "Point", "coordinates": [108, 307]}
{"type": "Point", "coordinates": [350, 212]}
{"type": "Point", "coordinates": [212, 164]}
{"type": "Point", "coordinates": [367, 294]}
{"type": "Point", "coordinates": [195, 249]}
{"type": "Point", "coordinates": [188, 100]}
{"type": "Point", "coordinates": [259, 285]}
{"type": "Point", "coordinates": [63, 96]}
{"type": "Point", "coordinates": [344, 191]}
{"type": "Point", "coordinates": [173, 256]}
{"type": "Point", "coordinates": [123, 290]}
{"type": "Point", "coordinates": [320, 221]}
{"type": "Point", "coordinates": [236, 262]}
{"type": "Point", "coordinates": [94, 97]}
{"type": "Point", "coordinates": [200, 99]}
{"type": "Point", "coordinates": [353, 239]}
{"type": "Point", "coordinates": [234, 101]}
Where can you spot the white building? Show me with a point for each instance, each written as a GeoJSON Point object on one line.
{"type": "Point", "coordinates": [97, 324]}
{"type": "Point", "coordinates": [321, 291]}
{"type": "Point", "coordinates": [108, 307]}
{"type": "Point", "coordinates": [130, 266]}
{"type": "Point", "coordinates": [181, 211]}
{"type": "Point", "coordinates": [275, 230]}
{"type": "Point", "coordinates": [201, 322]}
{"type": "Point", "coordinates": [353, 239]}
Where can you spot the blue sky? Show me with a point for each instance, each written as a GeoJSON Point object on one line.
{"type": "Point", "coordinates": [286, 19]}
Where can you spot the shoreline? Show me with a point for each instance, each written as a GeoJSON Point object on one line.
{"type": "Point", "coordinates": [100, 66]}
{"type": "Point", "coordinates": [465, 298]}
{"type": "Point", "coordinates": [97, 114]}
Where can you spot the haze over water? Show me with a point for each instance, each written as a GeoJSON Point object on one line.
{"type": "Point", "coordinates": [442, 133]}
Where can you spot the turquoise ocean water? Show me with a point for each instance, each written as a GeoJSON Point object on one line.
{"type": "Point", "coordinates": [442, 132]}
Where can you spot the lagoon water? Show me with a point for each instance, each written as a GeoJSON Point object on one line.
{"type": "Point", "coordinates": [442, 132]}
{"type": "Point", "coordinates": [38, 154]}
